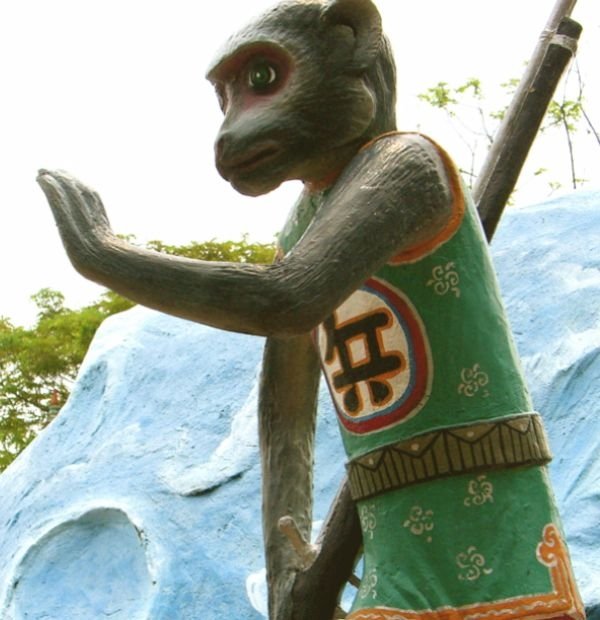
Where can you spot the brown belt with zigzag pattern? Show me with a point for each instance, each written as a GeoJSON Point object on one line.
{"type": "Point", "coordinates": [508, 442]}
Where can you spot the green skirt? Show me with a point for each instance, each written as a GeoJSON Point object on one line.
{"type": "Point", "coordinates": [480, 546]}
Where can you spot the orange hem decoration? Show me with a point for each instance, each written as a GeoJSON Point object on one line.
{"type": "Point", "coordinates": [562, 602]}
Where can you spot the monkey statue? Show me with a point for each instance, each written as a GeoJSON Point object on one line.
{"type": "Point", "coordinates": [383, 280]}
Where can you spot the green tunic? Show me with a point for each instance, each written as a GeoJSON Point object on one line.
{"type": "Point", "coordinates": [446, 453]}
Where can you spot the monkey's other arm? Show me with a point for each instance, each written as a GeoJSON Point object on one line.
{"type": "Point", "coordinates": [389, 197]}
{"type": "Point", "coordinates": [287, 416]}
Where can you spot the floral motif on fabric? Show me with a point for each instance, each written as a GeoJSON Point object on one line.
{"type": "Point", "coordinates": [420, 522]}
{"type": "Point", "coordinates": [368, 585]}
{"type": "Point", "coordinates": [481, 491]}
{"type": "Point", "coordinates": [368, 521]}
{"type": "Point", "coordinates": [471, 565]}
{"type": "Point", "coordinates": [445, 279]}
{"type": "Point", "coordinates": [473, 381]}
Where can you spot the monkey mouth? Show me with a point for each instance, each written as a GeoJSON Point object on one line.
{"type": "Point", "coordinates": [249, 162]}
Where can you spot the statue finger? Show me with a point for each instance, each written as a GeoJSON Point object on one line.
{"type": "Point", "coordinates": [56, 196]}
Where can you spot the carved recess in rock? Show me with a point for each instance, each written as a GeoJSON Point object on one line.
{"type": "Point", "coordinates": [91, 566]}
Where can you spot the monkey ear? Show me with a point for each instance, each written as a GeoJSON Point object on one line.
{"type": "Point", "coordinates": [363, 18]}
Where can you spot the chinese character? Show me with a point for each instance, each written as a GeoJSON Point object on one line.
{"type": "Point", "coordinates": [359, 347]}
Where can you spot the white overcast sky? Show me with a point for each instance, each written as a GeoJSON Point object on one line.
{"type": "Point", "coordinates": [114, 92]}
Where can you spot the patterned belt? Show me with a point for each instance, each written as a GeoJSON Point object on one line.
{"type": "Point", "coordinates": [508, 442]}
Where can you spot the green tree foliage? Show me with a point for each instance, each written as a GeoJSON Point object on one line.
{"type": "Point", "coordinates": [38, 364]}
{"type": "Point", "coordinates": [242, 251]}
{"type": "Point", "coordinates": [466, 107]}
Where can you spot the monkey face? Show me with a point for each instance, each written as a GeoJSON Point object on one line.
{"type": "Point", "coordinates": [251, 87]}
{"type": "Point", "coordinates": [296, 101]}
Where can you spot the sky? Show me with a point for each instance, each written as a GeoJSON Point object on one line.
{"type": "Point", "coordinates": [114, 92]}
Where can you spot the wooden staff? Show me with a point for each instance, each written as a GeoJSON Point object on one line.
{"type": "Point", "coordinates": [502, 166]}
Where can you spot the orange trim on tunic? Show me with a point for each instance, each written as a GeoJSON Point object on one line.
{"type": "Point", "coordinates": [562, 603]}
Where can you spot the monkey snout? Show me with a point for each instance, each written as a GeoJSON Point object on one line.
{"type": "Point", "coordinates": [223, 154]}
{"type": "Point", "coordinates": [221, 147]}
{"type": "Point", "coordinates": [232, 156]}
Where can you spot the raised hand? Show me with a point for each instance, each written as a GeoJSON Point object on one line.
{"type": "Point", "coordinates": [80, 217]}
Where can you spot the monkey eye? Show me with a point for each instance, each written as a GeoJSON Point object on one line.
{"type": "Point", "coordinates": [262, 75]}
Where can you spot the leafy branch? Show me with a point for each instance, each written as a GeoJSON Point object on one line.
{"type": "Point", "coordinates": [475, 123]}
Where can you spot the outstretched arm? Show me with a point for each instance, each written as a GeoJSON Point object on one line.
{"type": "Point", "coordinates": [389, 197]}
